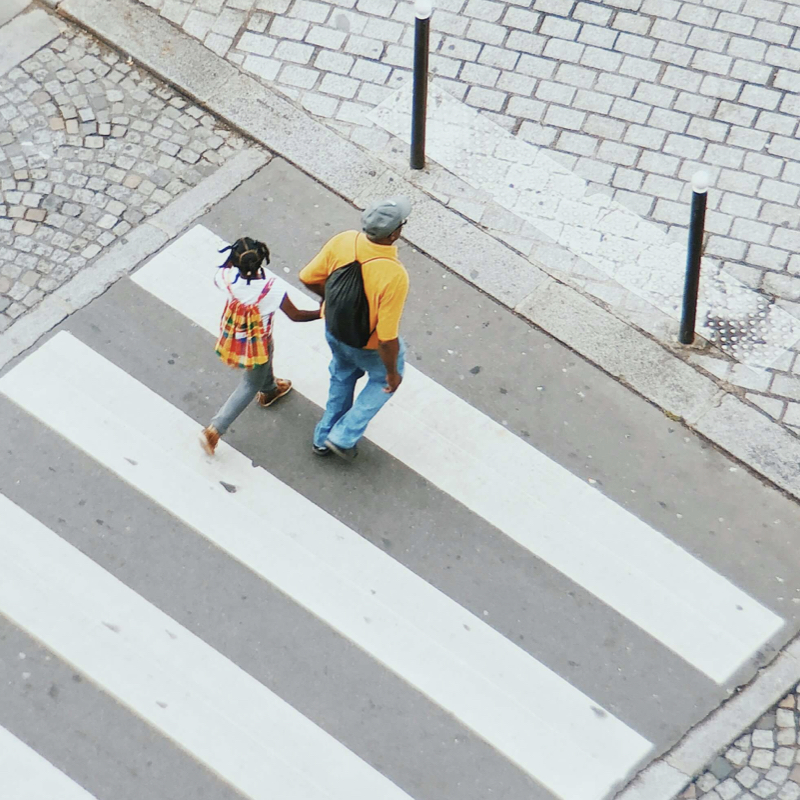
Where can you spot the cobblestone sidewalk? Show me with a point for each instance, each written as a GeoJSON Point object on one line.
{"type": "Point", "coordinates": [633, 95]}
{"type": "Point", "coordinates": [89, 147]}
{"type": "Point", "coordinates": [764, 762]}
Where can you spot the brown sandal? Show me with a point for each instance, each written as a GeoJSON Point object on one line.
{"type": "Point", "coordinates": [266, 400]}
{"type": "Point", "coordinates": [209, 438]}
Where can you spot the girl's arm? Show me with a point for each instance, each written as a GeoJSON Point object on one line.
{"type": "Point", "coordinates": [296, 314]}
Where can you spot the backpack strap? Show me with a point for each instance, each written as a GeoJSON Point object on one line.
{"type": "Point", "coordinates": [265, 290]}
{"type": "Point", "coordinates": [377, 258]}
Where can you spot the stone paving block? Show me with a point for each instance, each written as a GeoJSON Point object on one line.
{"type": "Point", "coordinates": [329, 61]}
{"type": "Point", "coordinates": [521, 18]}
{"type": "Point", "coordinates": [776, 123]}
{"type": "Point", "coordinates": [497, 57]}
{"type": "Point", "coordinates": [525, 108]}
{"type": "Point", "coordinates": [383, 30]}
{"type": "Point", "coordinates": [486, 32]}
{"type": "Point", "coordinates": [630, 110]}
{"type": "Point", "coordinates": [786, 193]}
{"type": "Point", "coordinates": [481, 75]}
{"type": "Point", "coordinates": [339, 85]}
{"type": "Point", "coordinates": [257, 44]}
{"type": "Point", "coordinates": [601, 59]}
{"type": "Point", "coordinates": [774, 408]}
{"type": "Point", "coordinates": [643, 136]}
{"type": "Point", "coordinates": [595, 35]}
{"type": "Point", "coordinates": [296, 52]}
{"type": "Point", "coordinates": [488, 99]}
{"type": "Point", "coordinates": [516, 84]}
{"type": "Point", "coordinates": [325, 37]}
{"type": "Point", "coordinates": [564, 50]}
{"type": "Point", "coordinates": [484, 9]}
{"type": "Point", "coordinates": [714, 86]}
{"type": "Point", "coordinates": [673, 53]}
{"type": "Point", "coordinates": [589, 12]}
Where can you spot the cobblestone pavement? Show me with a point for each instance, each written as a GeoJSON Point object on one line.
{"type": "Point", "coordinates": [762, 763]}
{"type": "Point", "coordinates": [89, 147]}
{"type": "Point", "coordinates": [633, 95]}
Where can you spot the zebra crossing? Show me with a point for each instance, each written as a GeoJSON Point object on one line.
{"type": "Point", "coordinates": [232, 723]}
{"type": "Point", "coordinates": [25, 775]}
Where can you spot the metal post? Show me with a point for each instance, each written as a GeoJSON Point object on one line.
{"type": "Point", "coordinates": [422, 12]}
{"type": "Point", "coordinates": [696, 230]}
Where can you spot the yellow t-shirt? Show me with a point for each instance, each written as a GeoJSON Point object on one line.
{"type": "Point", "coordinates": [385, 279]}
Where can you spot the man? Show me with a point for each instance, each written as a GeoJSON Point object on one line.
{"type": "Point", "coordinates": [386, 287]}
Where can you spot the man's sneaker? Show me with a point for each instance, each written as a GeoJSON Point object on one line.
{"type": "Point", "coordinates": [209, 439]}
{"type": "Point", "coordinates": [346, 453]}
{"type": "Point", "coordinates": [266, 399]}
{"type": "Point", "coordinates": [320, 451]}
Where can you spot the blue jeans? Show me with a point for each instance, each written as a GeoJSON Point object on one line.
{"type": "Point", "coordinates": [345, 420]}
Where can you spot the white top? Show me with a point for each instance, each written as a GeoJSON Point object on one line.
{"type": "Point", "coordinates": [249, 294]}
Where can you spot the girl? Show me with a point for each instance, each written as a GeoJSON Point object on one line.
{"type": "Point", "coordinates": [245, 340]}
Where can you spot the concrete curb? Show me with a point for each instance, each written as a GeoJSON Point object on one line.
{"type": "Point", "coordinates": [142, 242]}
{"type": "Point", "coordinates": [646, 366]}
{"type": "Point", "coordinates": [667, 776]}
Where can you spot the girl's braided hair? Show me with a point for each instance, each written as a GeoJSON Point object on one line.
{"type": "Point", "coordinates": [247, 255]}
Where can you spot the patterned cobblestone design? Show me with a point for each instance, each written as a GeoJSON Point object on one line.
{"type": "Point", "coordinates": [763, 763]}
{"type": "Point", "coordinates": [633, 95]}
{"type": "Point", "coordinates": [89, 147]}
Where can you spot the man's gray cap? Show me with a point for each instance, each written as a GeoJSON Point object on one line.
{"type": "Point", "coordinates": [386, 216]}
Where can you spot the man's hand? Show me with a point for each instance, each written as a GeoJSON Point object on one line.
{"type": "Point", "coordinates": [393, 380]}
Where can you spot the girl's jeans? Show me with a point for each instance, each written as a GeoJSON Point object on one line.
{"type": "Point", "coordinates": [258, 379]}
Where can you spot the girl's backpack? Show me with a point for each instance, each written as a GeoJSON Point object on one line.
{"type": "Point", "coordinates": [243, 335]}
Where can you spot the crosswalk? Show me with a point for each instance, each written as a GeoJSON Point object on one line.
{"type": "Point", "coordinates": [25, 775]}
{"type": "Point", "coordinates": [231, 722]}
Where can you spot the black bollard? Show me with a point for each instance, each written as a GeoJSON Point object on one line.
{"type": "Point", "coordinates": [696, 231]}
{"type": "Point", "coordinates": [422, 12]}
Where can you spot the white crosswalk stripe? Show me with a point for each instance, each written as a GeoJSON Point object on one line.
{"type": "Point", "coordinates": [632, 568]}
{"type": "Point", "coordinates": [25, 775]}
{"type": "Point", "coordinates": [526, 711]}
{"type": "Point", "coordinates": [168, 676]}
{"type": "Point", "coordinates": [229, 721]}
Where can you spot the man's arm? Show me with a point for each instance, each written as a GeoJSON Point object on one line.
{"type": "Point", "coordinates": [390, 309]}
{"type": "Point", "coordinates": [388, 352]}
{"type": "Point", "coordinates": [297, 314]}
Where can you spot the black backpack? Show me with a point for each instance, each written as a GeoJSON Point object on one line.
{"type": "Point", "coordinates": [346, 304]}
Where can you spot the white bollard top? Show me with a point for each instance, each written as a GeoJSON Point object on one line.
{"type": "Point", "coordinates": [700, 182]}
{"type": "Point", "coordinates": [423, 9]}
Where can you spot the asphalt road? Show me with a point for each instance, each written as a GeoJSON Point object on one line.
{"type": "Point", "coordinates": [539, 390]}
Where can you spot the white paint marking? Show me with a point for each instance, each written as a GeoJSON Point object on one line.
{"type": "Point", "coordinates": [530, 714]}
{"type": "Point", "coordinates": [636, 253]}
{"type": "Point", "coordinates": [643, 575]}
{"type": "Point", "coordinates": [170, 678]}
{"type": "Point", "coordinates": [25, 775]}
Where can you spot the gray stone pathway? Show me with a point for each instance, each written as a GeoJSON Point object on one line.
{"type": "Point", "coordinates": [632, 95]}
{"type": "Point", "coordinates": [763, 763]}
{"type": "Point", "coordinates": [89, 147]}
